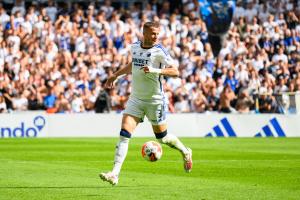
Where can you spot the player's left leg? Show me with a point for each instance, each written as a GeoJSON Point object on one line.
{"type": "Point", "coordinates": [164, 137]}
{"type": "Point", "coordinates": [156, 113]}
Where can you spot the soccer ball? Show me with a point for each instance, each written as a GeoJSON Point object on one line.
{"type": "Point", "coordinates": [151, 151]}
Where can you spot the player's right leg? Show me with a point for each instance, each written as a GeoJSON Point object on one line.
{"type": "Point", "coordinates": [120, 155]}
{"type": "Point", "coordinates": [109, 177]}
{"type": "Point", "coordinates": [131, 117]}
{"type": "Point", "coordinates": [129, 123]}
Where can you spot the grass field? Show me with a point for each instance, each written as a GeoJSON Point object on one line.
{"type": "Point", "coordinates": [224, 168]}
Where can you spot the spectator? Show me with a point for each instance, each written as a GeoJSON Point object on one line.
{"type": "Point", "coordinates": [20, 101]}
{"type": "Point", "coordinates": [51, 10]}
{"type": "Point", "coordinates": [213, 100]}
{"type": "Point", "coordinates": [35, 99]}
{"type": "Point", "coordinates": [280, 56]}
{"type": "Point", "coordinates": [3, 108]}
{"type": "Point", "coordinates": [19, 7]}
{"type": "Point", "coordinates": [102, 103]}
{"type": "Point", "coordinates": [49, 53]}
{"type": "Point", "coordinates": [182, 105]}
{"type": "Point", "coordinates": [226, 98]}
{"type": "Point", "coordinates": [4, 17]}
{"type": "Point", "coordinates": [231, 80]}
{"type": "Point", "coordinates": [244, 102]}
{"type": "Point", "coordinates": [77, 105]}
{"type": "Point", "coordinates": [107, 8]}
{"type": "Point", "coordinates": [281, 86]}
{"type": "Point", "coordinates": [50, 99]}
{"type": "Point", "coordinates": [199, 103]}
{"type": "Point", "coordinates": [266, 103]}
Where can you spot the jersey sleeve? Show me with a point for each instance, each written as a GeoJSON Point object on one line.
{"type": "Point", "coordinates": [166, 59]}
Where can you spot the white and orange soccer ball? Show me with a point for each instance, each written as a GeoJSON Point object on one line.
{"type": "Point", "coordinates": [151, 151]}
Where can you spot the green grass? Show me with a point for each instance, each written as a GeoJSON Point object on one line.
{"type": "Point", "coordinates": [252, 168]}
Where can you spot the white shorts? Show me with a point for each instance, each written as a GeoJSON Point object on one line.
{"type": "Point", "coordinates": [154, 111]}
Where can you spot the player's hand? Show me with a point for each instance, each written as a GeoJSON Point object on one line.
{"type": "Point", "coordinates": [145, 69]}
{"type": "Point", "coordinates": [110, 81]}
{"type": "Point", "coordinates": [148, 69]}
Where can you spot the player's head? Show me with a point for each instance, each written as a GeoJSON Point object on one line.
{"type": "Point", "coordinates": [150, 32]}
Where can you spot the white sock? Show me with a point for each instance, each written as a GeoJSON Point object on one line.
{"type": "Point", "coordinates": [120, 154]}
{"type": "Point", "coordinates": [174, 142]}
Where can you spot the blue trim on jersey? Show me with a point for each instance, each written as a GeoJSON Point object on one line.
{"type": "Point", "coordinates": [162, 48]}
{"type": "Point", "coordinates": [159, 80]}
{"type": "Point", "coordinates": [160, 84]}
{"type": "Point", "coordinates": [138, 42]}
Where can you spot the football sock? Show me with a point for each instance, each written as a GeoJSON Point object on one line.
{"type": "Point", "coordinates": [121, 151]}
{"type": "Point", "coordinates": [171, 141]}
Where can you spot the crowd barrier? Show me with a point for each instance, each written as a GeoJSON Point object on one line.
{"type": "Point", "coordinates": [28, 125]}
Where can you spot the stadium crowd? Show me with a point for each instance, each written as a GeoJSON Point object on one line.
{"type": "Point", "coordinates": [56, 57]}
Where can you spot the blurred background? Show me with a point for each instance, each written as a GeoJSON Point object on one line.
{"type": "Point", "coordinates": [55, 56]}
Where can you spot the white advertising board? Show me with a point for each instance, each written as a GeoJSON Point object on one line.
{"type": "Point", "coordinates": [30, 125]}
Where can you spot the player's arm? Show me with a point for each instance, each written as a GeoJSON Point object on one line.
{"type": "Point", "coordinates": [125, 70]}
{"type": "Point", "coordinates": [170, 68]}
{"type": "Point", "coordinates": [170, 71]}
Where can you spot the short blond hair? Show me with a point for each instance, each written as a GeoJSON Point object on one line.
{"type": "Point", "coordinates": [148, 25]}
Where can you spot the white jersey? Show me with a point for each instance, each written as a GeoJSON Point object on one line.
{"type": "Point", "coordinates": [148, 86]}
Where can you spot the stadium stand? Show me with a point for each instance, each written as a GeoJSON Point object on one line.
{"type": "Point", "coordinates": [56, 56]}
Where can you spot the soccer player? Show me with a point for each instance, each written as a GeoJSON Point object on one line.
{"type": "Point", "coordinates": [217, 15]}
{"type": "Point", "coordinates": [150, 61]}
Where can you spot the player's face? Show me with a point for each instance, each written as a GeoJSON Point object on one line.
{"type": "Point", "coordinates": [151, 35]}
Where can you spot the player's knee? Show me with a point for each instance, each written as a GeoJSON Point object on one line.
{"type": "Point", "coordinates": [160, 136]}
{"type": "Point", "coordinates": [125, 133]}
